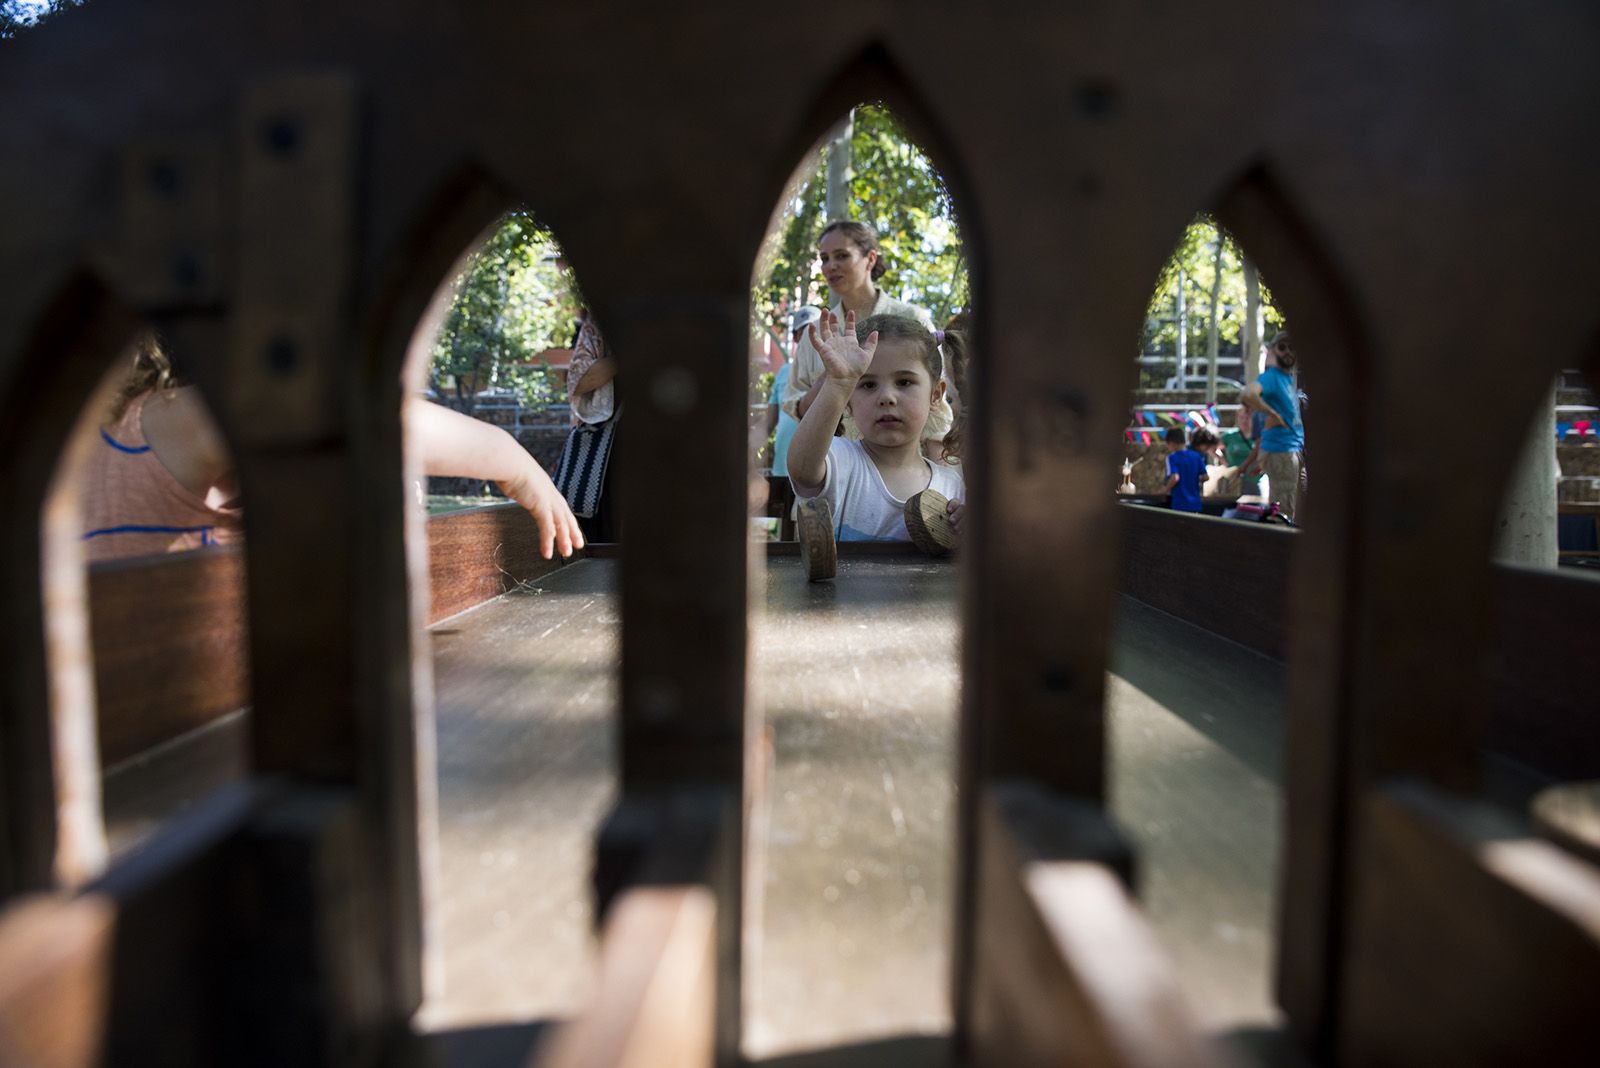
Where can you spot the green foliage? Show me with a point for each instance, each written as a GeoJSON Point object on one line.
{"type": "Point", "coordinates": [895, 189]}
{"type": "Point", "coordinates": [513, 301]}
{"type": "Point", "coordinates": [1194, 259]}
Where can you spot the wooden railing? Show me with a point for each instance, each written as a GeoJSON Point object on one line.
{"type": "Point", "coordinates": [170, 638]}
{"type": "Point", "coordinates": [1234, 578]}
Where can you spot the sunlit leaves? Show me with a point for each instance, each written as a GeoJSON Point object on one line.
{"type": "Point", "coordinates": [1194, 261]}
{"type": "Point", "coordinates": [512, 302]}
{"type": "Point", "coordinates": [895, 189]}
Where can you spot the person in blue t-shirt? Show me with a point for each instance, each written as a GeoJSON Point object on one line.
{"type": "Point", "coordinates": [1186, 467]}
{"type": "Point", "coordinates": [1276, 396]}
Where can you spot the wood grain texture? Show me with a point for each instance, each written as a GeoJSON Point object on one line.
{"type": "Point", "coordinates": [525, 710]}
{"type": "Point", "coordinates": [1475, 944]}
{"type": "Point", "coordinates": [169, 646]}
{"type": "Point", "coordinates": [1545, 712]}
{"type": "Point", "coordinates": [929, 523]}
{"type": "Point", "coordinates": [858, 681]}
{"type": "Point", "coordinates": [480, 553]}
{"type": "Point", "coordinates": [1399, 519]}
{"type": "Point", "coordinates": [169, 632]}
{"type": "Point", "coordinates": [819, 550]}
{"type": "Point", "coordinates": [1068, 971]}
{"type": "Point", "coordinates": [1569, 815]}
{"type": "Point", "coordinates": [54, 954]}
{"type": "Point", "coordinates": [655, 998]}
{"type": "Point", "coordinates": [1233, 579]}
{"type": "Point", "coordinates": [1229, 576]}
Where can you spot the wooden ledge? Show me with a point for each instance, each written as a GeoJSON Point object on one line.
{"type": "Point", "coordinates": [1066, 969]}
{"type": "Point", "coordinates": [655, 998]}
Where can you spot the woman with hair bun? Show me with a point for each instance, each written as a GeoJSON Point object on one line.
{"type": "Point", "coordinates": [852, 263]}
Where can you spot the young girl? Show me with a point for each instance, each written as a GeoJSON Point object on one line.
{"type": "Point", "coordinates": [889, 383]}
{"type": "Point", "coordinates": [161, 479]}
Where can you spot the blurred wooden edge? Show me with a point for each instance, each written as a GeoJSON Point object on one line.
{"type": "Point", "coordinates": [1472, 941]}
{"type": "Point", "coordinates": [1132, 1012]}
{"type": "Point", "coordinates": [655, 996]}
{"type": "Point", "coordinates": [55, 956]}
{"type": "Point", "coordinates": [1068, 972]}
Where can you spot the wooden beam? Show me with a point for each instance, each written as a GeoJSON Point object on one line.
{"type": "Point", "coordinates": [169, 646]}
{"type": "Point", "coordinates": [1472, 943]}
{"type": "Point", "coordinates": [54, 956]}
{"type": "Point", "coordinates": [1230, 577]}
{"type": "Point", "coordinates": [655, 995]}
{"type": "Point", "coordinates": [478, 554]}
{"type": "Point", "coordinates": [1068, 973]}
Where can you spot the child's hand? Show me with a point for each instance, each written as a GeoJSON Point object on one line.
{"type": "Point", "coordinates": [843, 357]}
{"type": "Point", "coordinates": [957, 510]}
{"type": "Point", "coordinates": [558, 527]}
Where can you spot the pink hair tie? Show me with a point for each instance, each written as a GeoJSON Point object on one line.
{"type": "Point", "coordinates": [938, 336]}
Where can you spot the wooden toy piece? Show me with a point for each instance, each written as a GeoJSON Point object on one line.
{"type": "Point", "coordinates": [928, 520]}
{"type": "Point", "coordinates": [819, 555]}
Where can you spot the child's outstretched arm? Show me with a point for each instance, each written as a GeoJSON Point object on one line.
{"type": "Point", "coordinates": [844, 361]}
{"type": "Point", "coordinates": [456, 445]}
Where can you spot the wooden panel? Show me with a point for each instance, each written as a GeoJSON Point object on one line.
{"type": "Point", "coordinates": [1233, 579]}
{"type": "Point", "coordinates": [655, 996]}
{"type": "Point", "coordinates": [1472, 943]}
{"type": "Point", "coordinates": [169, 632]}
{"type": "Point", "coordinates": [1068, 972]}
{"type": "Point", "coordinates": [666, 863]}
{"type": "Point", "coordinates": [169, 646]}
{"type": "Point", "coordinates": [681, 466]}
{"type": "Point", "coordinates": [1228, 576]}
{"type": "Point", "coordinates": [54, 954]}
{"type": "Point", "coordinates": [243, 933]}
{"type": "Point", "coordinates": [1546, 705]}
{"type": "Point", "coordinates": [479, 554]}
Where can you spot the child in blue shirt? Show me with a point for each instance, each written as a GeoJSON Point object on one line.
{"type": "Point", "coordinates": [1186, 467]}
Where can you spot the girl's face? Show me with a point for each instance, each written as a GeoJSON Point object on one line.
{"type": "Point", "coordinates": [846, 268]}
{"type": "Point", "coordinates": [894, 398]}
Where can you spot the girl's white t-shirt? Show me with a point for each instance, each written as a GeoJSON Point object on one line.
{"type": "Point", "coordinates": [863, 507]}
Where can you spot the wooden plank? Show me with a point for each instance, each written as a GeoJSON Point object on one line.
{"type": "Point", "coordinates": [54, 957]}
{"type": "Point", "coordinates": [61, 361]}
{"type": "Point", "coordinates": [658, 997]}
{"type": "Point", "coordinates": [655, 998]}
{"type": "Point", "coordinates": [242, 936]}
{"type": "Point", "coordinates": [858, 683]}
{"type": "Point", "coordinates": [685, 366]}
{"type": "Point", "coordinates": [1545, 712]}
{"type": "Point", "coordinates": [1473, 943]}
{"type": "Point", "coordinates": [169, 646]}
{"type": "Point", "coordinates": [1068, 972]}
{"type": "Point", "coordinates": [169, 632]}
{"type": "Point", "coordinates": [1233, 580]}
{"type": "Point", "coordinates": [526, 727]}
{"type": "Point", "coordinates": [1228, 576]}
{"type": "Point", "coordinates": [481, 553]}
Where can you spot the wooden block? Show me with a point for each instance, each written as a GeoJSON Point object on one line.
{"type": "Point", "coordinates": [819, 553]}
{"type": "Point", "coordinates": [1471, 942]}
{"type": "Point", "coordinates": [1068, 972]}
{"type": "Point", "coordinates": [655, 999]}
{"type": "Point", "coordinates": [928, 520]}
{"type": "Point", "coordinates": [54, 955]}
{"type": "Point", "coordinates": [169, 646]}
{"type": "Point", "coordinates": [1569, 815]}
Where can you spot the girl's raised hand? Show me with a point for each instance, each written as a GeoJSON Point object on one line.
{"type": "Point", "coordinates": [843, 357]}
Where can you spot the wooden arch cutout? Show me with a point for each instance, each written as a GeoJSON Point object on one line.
{"type": "Point", "coordinates": [51, 818]}
{"type": "Point", "coordinates": [873, 76]}
{"type": "Point", "coordinates": [1332, 338]}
